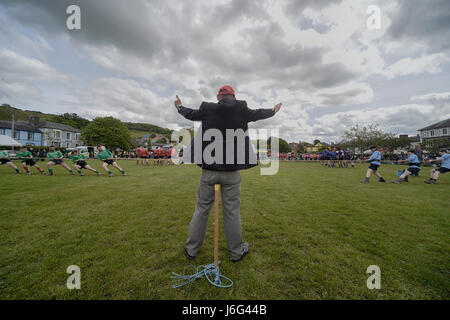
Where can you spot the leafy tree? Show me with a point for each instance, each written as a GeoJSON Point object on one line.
{"type": "Point", "coordinates": [149, 144]}
{"type": "Point", "coordinates": [433, 146]}
{"type": "Point", "coordinates": [134, 143]}
{"type": "Point", "coordinates": [362, 137]}
{"type": "Point", "coordinates": [403, 142]}
{"type": "Point", "coordinates": [392, 143]}
{"type": "Point", "coordinates": [108, 131]}
{"type": "Point", "coordinates": [283, 146]}
{"type": "Point", "coordinates": [316, 141]}
{"type": "Point", "coordinates": [301, 147]}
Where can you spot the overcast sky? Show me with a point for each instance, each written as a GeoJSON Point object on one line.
{"type": "Point", "coordinates": [317, 57]}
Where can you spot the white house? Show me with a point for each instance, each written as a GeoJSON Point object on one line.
{"type": "Point", "coordinates": [440, 130]}
{"type": "Point", "coordinates": [57, 134]}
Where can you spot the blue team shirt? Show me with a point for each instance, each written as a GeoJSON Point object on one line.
{"type": "Point", "coordinates": [375, 158]}
{"type": "Point", "coordinates": [413, 159]}
{"type": "Point", "coordinates": [445, 160]}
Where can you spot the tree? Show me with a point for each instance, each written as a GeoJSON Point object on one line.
{"type": "Point", "coordinates": [283, 146]}
{"type": "Point", "coordinates": [107, 131]}
{"type": "Point", "coordinates": [433, 146]}
{"type": "Point", "coordinates": [316, 141]}
{"type": "Point", "coordinates": [361, 137]}
{"type": "Point", "coordinates": [301, 147]}
{"type": "Point", "coordinates": [149, 143]}
{"type": "Point", "coordinates": [393, 143]}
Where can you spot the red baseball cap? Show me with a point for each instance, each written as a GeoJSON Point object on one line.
{"type": "Point", "coordinates": [225, 90]}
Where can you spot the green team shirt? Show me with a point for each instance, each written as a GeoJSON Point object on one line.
{"type": "Point", "coordinates": [78, 157]}
{"type": "Point", "coordinates": [105, 154]}
{"type": "Point", "coordinates": [25, 154]}
{"type": "Point", "coordinates": [53, 155]}
{"type": "Point", "coordinates": [4, 154]}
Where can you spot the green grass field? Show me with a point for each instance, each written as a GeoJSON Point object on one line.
{"type": "Point", "coordinates": [313, 232]}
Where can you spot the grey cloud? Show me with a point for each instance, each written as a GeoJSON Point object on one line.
{"type": "Point", "coordinates": [292, 67]}
{"type": "Point", "coordinates": [404, 119]}
{"type": "Point", "coordinates": [153, 29]}
{"type": "Point", "coordinates": [163, 34]}
{"type": "Point", "coordinates": [332, 74]}
{"type": "Point", "coordinates": [294, 8]}
{"type": "Point", "coordinates": [340, 98]}
{"type": "Point", "coordinates": [174, 39]}
{"type": "Point", "coordinates": [426, 22]}
{"type": "Point", "coordinates": [118, 23]}
{"type": "Point", "coordinates": [306, 23]}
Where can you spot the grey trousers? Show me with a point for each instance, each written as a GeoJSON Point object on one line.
{"type": "Point", "coordinates": [230, 186]}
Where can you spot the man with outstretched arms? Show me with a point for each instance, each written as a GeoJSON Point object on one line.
{"type": "Point", "coordinates": [232, 115]}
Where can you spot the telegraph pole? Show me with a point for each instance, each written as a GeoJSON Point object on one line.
{"type": "Point", "coordinates": [12, 130]}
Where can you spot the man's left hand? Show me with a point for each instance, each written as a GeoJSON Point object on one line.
{"type": "Point", "coordinates": [177, 102]}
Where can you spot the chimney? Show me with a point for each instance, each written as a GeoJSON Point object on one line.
{"type": "Point", "coordinates": [34, 120]}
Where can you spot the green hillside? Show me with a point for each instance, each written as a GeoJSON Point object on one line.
{"type": "Point", "coordinates": [137, 129]}
{"type": "Point", "coordinates": [6, 112]}
{"type": "Point", "coordinates": [146, 127]}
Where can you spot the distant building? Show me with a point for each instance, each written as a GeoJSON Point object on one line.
{"type": "Point", "coordinates": [158, 140]}
{"type": "Point", "coordinates": [47, 133]}
{"type": "Point", "coordinates": [439, 130]}
{"type": "Point", "coordinates": [24, 132]}
{"type": "Point", "coordinates": [317, 147]}
{"type": "Point", "coordinates": [57, 134]}
{"type": "Point", "coordinates": [414, 140]}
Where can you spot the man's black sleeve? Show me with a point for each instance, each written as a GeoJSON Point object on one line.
{"type": "Point", "coordinates": [191, 114]}
{"type": "Point", "coordinates": [258, 114]}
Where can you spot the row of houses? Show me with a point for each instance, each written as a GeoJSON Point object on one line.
{"type": "Point", "coordinates": [157, 140]}
{"type": "Point", "coordinates": [47, 133]}
{"type": "Point", "coordinates": [42, 133]}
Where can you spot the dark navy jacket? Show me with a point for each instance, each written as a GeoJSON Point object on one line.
{"type": "Point", "coordinates": [227, 114]}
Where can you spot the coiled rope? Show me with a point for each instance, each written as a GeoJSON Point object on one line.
{"type": "Point", "coordinates": [210, 272]}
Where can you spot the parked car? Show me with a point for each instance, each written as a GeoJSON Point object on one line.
{"type": "Point", "coordinates": [68, 152]}
{"type": "Point", "coordinates": [88, 151]}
